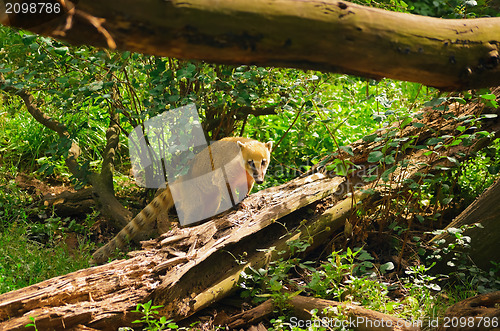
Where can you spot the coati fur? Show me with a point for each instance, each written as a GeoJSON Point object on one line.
{"type": "Point", "coordinates": [241, 171]}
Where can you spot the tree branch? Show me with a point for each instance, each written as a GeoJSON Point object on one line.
{"type": "Point", "coordinates": [48, 122]}
{"type": "Point", "coordinates": [325, 35]}
{"type": "Point", "coordinates": [103, 192]}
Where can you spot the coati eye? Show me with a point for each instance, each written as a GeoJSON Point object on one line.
{"type": "Point", "coordinates": [250, 163]}
{"type": "Point", "coordinates": [264, 161]}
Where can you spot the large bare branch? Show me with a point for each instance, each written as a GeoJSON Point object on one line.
{"type": "Point", "coordinates": [47, 121]}
{"type": "Point", "coordinates": [325, 35]}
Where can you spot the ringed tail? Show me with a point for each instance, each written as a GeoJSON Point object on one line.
{"type": "Point", "coordinates": [163, 201]}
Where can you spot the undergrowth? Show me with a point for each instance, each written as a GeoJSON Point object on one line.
{"type": "Point", "coordinates": [319, 115]}
{"type": "Point", "coordinates": [31, 252]}
{"type": "Point", "coordinates": [24, 262]}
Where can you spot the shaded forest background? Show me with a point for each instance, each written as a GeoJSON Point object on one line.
{"type": "Point", "coordinates": [311, 116]}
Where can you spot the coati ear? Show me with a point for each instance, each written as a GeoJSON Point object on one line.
{"type": "Point", "coordinates": [240, 144]}
{"type": "Point", "coordinates": [269, 145]}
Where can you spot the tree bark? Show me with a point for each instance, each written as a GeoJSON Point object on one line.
{"type": "Point", "coordinates": [171, 271]}
{"type": "Point", "coordinates": [324, 35]}
{"type": "Point", "coordinates": [478, 313]}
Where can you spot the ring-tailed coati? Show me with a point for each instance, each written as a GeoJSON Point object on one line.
{"type": "Point", "coordinates": [233, 162]}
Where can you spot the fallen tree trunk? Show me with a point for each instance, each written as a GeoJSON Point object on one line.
{"type": "Point", "coordinates": [102, 297]}
{"type": "Point", "coordinates": [189, 268]}
{"type": "Point", "coordinates": [325, 35]}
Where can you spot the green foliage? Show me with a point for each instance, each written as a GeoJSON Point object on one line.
{"type": "Point", "coordinates": [23, 140]}
{"type": "Point", "coordinates": [326, 282]}
{"type": "Point", "coordinates": [150, 321]}
{"type": "Point", "coordinates": [478, 173]}
{"type": "Point", "coordinates": [335, 111]}
{"type": "Point", "coordinates": [455, 253]}
{"type": "Point", "coordinates": [346, 277]}
{"type": "Point", "coordinates": [80, 86]}
{"type": "Point", "coordinates": [445, 9]}
{"type": "Point", "coordinates": [392, 5]}
{"type": "Point", "coordinates": [32, 324]}
{"type": "Point", "coordinates": [423, 197]}
{"type": "Point", "coordinates": [270, 282]}
{"type": "Point", "coordinates": [455, 8]}
{"type": "Point", "coordinates": [34, 251]}
{"type": "Point", "coordinates": [24, 262]}
{"type": "Point", "coordinates": [12, 201]}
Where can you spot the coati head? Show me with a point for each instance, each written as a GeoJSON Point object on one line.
{"type": "Point", "coordinates": [256, 156]}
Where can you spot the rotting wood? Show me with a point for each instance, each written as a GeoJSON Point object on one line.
{"type": "Point", "coordinates": [102, 297]}
{"type": "Point", "coordinates": [250, 316]}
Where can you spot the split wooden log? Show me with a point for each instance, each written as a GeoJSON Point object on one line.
{"type": "Point", "coordinates": [251, 316]}
{"type": "Point", "coordinates": [102, 297]}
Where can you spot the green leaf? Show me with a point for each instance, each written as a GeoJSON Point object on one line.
{"type": "Point", "coordinates": [347, 149]}
{"type": "Point", "coordinates": [434, 141]}
{"type": "Point", "coordinates": [374, 157]}
{"type": "Point", "coordinates": [61, 50]}
{"type": "Point", "coordinates": [389, 159]}
{"type": "Point", "coordinates": [370, 138]}
{"type": "Point", "coordinates": [125, 54]}
{"type": "Point", "coordinates": [494, 169]}
{"type": "Point", "coordinates": [385, 174]}
{"type": "Point", "coordinates": [406, 121]}
{"type": "Point", "coordinates": [488, 96]}
{"type": "Point", "coordinates": [29, 38]}
{"type": "Point", "coordinates": [364, 256]}
{"type": "Point", "coordinates": [435, 102]}
{"type": "Point", "coordinates": [95, 86]}
{"type": "Point", "coordinates": [386, 267]}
